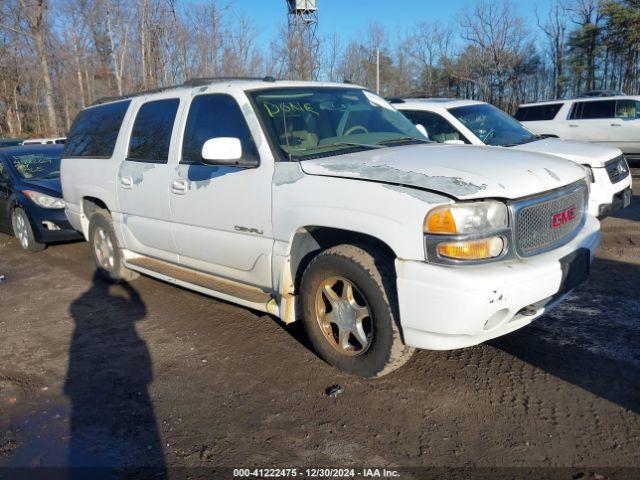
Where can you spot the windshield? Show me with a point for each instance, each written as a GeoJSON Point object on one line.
{"type": "Point", "coordinates": [36, 166]}
{"type": "Point", "coordinates": [492, 126]}
{"type": "Point", "coordinates": [312, 122]}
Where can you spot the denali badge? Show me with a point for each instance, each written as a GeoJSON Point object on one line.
{"type": "Point", "coordinates": [255, 231]}
{"type": "Point", "coordinates": [560, 218]}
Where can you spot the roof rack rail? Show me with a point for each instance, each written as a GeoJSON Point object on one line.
{"type": "Point", "coordinates": [601, 93]}
{"type": "Point", "coordinates": [395, 100]}
{"type": "Point", "coordinates": [195, 82]}
{"type": "Point", "coordinates": [192, 82]}
{"type": "Point", "coordinates": [102, 100]}
{"type": "Point", "coordinates": [125, 96]}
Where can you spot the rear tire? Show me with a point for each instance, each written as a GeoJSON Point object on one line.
{"type": "Point", "coordinates": [350, 310]}
{"type": "Point", "coordinates": [23, 231]}
{"type": "Point", "coordinates": [105, 250]}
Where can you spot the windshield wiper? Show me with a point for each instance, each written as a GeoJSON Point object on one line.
{"type": "Point", "coordinates": [402, 140]}
{"type": "Point", "coordinates": [327, 149]}
{"type": "Point", "coordinates": [354, 144]}
{"type": "Point", "coordinates": [522, 142]}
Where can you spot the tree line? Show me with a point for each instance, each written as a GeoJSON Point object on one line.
{"type": "Point", "coordinates": [58, 56]}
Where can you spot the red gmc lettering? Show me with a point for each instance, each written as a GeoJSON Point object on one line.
{"type": "Point", "coordinates": [560, 218]}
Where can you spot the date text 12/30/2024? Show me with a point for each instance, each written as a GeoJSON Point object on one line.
{"type": "Point", "coordinates": [315, 473]}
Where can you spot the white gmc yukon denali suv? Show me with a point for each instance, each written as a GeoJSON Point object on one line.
{"type": "Point", "coordinates": [323, 203]}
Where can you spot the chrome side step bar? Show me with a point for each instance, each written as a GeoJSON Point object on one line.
{"type": "Point", "coordinates": [205, 283]}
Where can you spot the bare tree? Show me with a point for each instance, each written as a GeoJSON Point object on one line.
{"type": "Point", "coordinates": [31, 14]}
{"type": "Point", "coordinates": [332, 54]}
{"type": "Point", "coordinates": [57, 56]}
{"type": "Point", "coordinates": [555, 28]}
{"type": "Point", "coordinates": [499, 36]}
{"type": "Point", "coordinates": [430, 43]}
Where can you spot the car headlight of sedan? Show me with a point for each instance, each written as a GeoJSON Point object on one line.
{"type": "Point", "coordinates": [470, 231]}
{"type": "Point", "coordinates": [43, 200]}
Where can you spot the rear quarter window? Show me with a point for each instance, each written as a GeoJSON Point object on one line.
{"type": "Point", "coordinates": [537, 113]}
{"type": "Point", "coordinates": [95, 131]}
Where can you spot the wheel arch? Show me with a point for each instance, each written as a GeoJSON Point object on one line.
{"type": "Point", "coordinates": [89, 205]}
{"type": "Point", "coordinates": [305, 243]}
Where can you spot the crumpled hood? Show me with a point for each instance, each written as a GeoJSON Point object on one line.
{"type": "Point", "coordinates": [579, 152]}
{"type": "Point", "coordinates": [463, 172]}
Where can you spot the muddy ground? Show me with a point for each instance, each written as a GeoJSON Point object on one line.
{"type": "Point", "coordinates": [149, 374]}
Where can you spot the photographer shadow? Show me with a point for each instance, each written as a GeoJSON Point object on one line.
{"type": "Point", "coordinates": [112, 419]}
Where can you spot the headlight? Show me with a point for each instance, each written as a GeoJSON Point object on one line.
{"type": "Point", "coordinates": [44, 201]}
{"type": "Point", "coordinates": [465, 218]}
{"type": "Point", "coordinates": [471, 231]}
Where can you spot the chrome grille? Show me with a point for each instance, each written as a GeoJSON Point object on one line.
{"type": "Point", "coordinates": [546, 222]}
{"type": "Point", "coordinates": [617, 169]}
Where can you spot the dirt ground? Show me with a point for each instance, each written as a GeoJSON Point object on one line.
{"type": "Point", "coordinates": [150, 374]}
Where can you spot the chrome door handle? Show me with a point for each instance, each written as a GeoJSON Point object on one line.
{"type": "Point", "coordinates": [126, 182]}
{"type": "Point", "coordinates": [573, 125]}
{"type": "Point", "coordinates": [616, 125]}
{"type": "Point", "coordinates": [179, 187]}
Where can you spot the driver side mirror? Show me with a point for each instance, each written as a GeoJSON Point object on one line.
{"type": "Point", "coordinates": [226, 151]}
{"type": "Point", "coordinates": [422, 130]}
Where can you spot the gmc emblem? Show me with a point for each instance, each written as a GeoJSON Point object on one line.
{"type": "Point", "coordinates": [560, 218]}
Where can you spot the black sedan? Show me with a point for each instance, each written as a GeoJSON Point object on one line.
{"type": "Point", "coordinates": [31, 205]}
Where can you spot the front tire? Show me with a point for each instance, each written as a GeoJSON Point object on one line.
{"type": "Point", "coordinates": [350, 310]}
{"type": "Point", "coordinates": [106, 251]}
{"type": "Point", "coordinates": [24, 232]}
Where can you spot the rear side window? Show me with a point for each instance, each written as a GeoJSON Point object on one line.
{"type": "Point", "coordinates": [537, 113]}
{"type": "Point", "coordinates": [211, 116]}
{"type": "Point", "coordinates": [151, 133]}
{"type": "Point", "coordinates": [593, 110]}
{"type": "Point", "coordinates": [95, 131]}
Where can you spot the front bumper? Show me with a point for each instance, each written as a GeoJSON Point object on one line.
{"type": "Point", "coordinates": [51, 225]}
{"type": "Point", "coordinates": [444, 308]}
{"type": "Point", "coordinates": [620, 200]}
{"type": "Point", "coordinates": [605, 197]}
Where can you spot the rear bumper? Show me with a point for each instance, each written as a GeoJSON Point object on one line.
{"type": "Point", "coordinates": [444, 308]}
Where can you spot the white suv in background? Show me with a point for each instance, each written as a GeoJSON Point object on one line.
{"type": "Point", "coordinates": [611, 121]}
{"type": "Point", "coordinates": [321, 202]}
{"type": "Point", "coordinates": [45, 141]}
{"type": "Point", "coordinates": [479, 123]}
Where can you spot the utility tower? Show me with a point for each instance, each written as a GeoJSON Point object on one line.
{"type": "Point", "coordinates": [304, 44]}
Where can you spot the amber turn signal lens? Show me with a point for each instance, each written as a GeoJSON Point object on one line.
{"type": "Point", "coordinates": [472, 249]}
{"type": "Point", "coordinates": [441, 221]}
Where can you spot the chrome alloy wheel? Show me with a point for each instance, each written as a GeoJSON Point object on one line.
{"type": "Point", "coordinates": [21, 229]}
{"type": "Point", "coordinates": [344, 316]}
{"type": "Point", "coordinates": [103, 247]}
